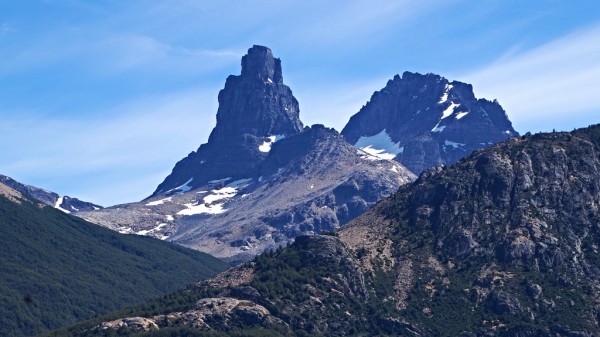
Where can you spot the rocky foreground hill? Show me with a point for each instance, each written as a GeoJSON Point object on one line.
{"type": "Point", "coordinates": [503, 243]}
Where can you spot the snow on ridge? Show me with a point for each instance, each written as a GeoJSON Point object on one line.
{"type": "Point", "coordinates": [59, 203]}
{"type": "Point", "coordinates": [183, 188]}
{"type": "Point", "coordinates": [379, 145]}
{"type": "Point", "coordinates": [266, 145]}
{"type": "Point", "coordinates": [444, 97]}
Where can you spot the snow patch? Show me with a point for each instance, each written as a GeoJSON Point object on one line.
{"type": "Point", "coordinates": [185, 187]}
{"type": "Point", "coordinates": [59, 203]}
{"type": "Point", "coordinates": [444, 97]}
{"type": "Point", "coordinates": [453, 144]}
{"type": "Point", "coordinates": [202, 209]}
{"type": "Point", "coordinates": [266, 145]}
{"type": "Point", "coordinates": [379, 145]}
{"type": "Point", "coordinates": [170, 217]}
{"type": "Point", "coordinates": [124, 230]}
{"type": "Point", "coordinates": [159, 202]}
{"type": "Point", "coordinates": [212, 203]}
{"type": "Point", "coordinates": [461, 114]}
{"type": "Point", "coordinates": [377, 154]}
{"type": "Point", "coordinates": [220, 194]}
{"type": "Point", "coordinates": [438, 128]}
{"type": "Point", "coordinates": [148, 231]}
{"type": "Point", "coordinates": [449, 110]}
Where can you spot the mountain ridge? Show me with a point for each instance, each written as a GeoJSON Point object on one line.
{"type": "Point", "coordinates": [505, 239]}
{"type": "Point", "coordinates": [64, 203]}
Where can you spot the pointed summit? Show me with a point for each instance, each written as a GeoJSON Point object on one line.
{"type": "Point", "coordinates": [424, 121]}
{"type": "Point", "coordinates": [255, 110]}
{"type": "Point", "coordinates": [260, 63]}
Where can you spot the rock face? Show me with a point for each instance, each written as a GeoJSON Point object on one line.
{"type": "Point", "coordinates": [255, 108]}
{"type": "Point", "coordinates": [262, 179]}
{"type": "Point", "coordinates": [506, 239]}
{"type": "Point", "coordinates": [424, 121]}
{"type": "Point", "coordinates": [65, 203]}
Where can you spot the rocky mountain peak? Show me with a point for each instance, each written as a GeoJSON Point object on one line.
{"type": "Point", "coordinates": [425, 120]}
{"type": "Point", "coordinates": [260, 63]}
{"type": "Point", "coordinates": [255, 110]}
{"type": "Point", "coordinates": [256, 102]}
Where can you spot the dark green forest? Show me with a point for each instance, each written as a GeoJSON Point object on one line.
{"type": "Point", "coordinates": [58, 269]}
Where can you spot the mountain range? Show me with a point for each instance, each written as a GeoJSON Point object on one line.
{"type": "Point", "coordinates": [502, 243]}
{"type": "Point", "coordinates": [263, 178]}
{"type": "Point", "coordinates": [428, 206]}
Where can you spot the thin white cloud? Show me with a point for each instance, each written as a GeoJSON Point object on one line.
{"type": "Point", "coordinates": [140, 139]}
{"type": "Point", "coordinates": [122, 52]}
{"type": "Point", "coordinates": [559, 78]}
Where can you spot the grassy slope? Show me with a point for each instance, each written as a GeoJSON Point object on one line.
{"type": "Point", "coordinates": [57, 269]}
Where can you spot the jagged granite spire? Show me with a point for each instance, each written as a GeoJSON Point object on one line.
{"type": "Point", "coordinates": [255, 109]}
{"type": "Point", "coordinates": [257, 102]}
{"type": "Point", "coordinates": [425, 120]}
{"type": "Point", "coordinates": [260, 63]}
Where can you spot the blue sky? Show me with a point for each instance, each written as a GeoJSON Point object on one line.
{"type": "Point", "coordinates": [99, 99]}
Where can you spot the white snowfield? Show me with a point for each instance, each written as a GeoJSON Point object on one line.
{"type": "Point", "coordinates": [59, 203]}
{"type": "Point", "coordinates": [213, 202]}
{"type": "Point", "coordinates": [380, 146]}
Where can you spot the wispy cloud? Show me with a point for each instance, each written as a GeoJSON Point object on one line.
{"type": "Point", "coordinates": [537, 85]}
{"type": "Point", "coordinates": [140, 140]}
